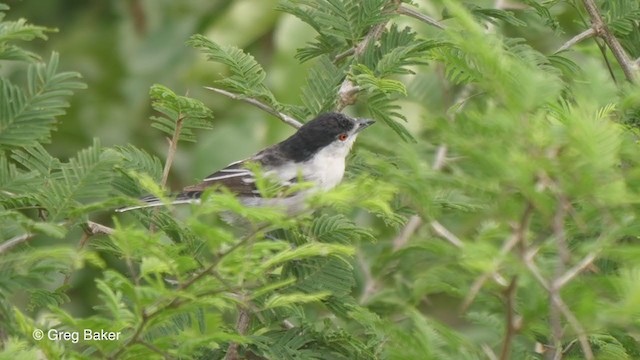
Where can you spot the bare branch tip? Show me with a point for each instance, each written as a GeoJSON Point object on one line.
{"type": "Point", "coordinates": [407, 11]}
{"type": "Point", "coordinates": [260, 105]}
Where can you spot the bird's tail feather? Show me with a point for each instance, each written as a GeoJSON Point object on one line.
{"type": "Point", "coordinates": [152, 201]}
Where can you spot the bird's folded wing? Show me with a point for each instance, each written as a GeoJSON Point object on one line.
{"type": "Point", "coordinates": [235, 177]}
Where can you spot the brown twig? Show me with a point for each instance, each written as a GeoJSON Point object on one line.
{"type": "Point", "coordinates": [517, 238]}
{"type": "Point", "coordinates": [489, 352]}
{"type": "Point", "coordinates": [554, 291]}
{"type": "Point", "coordinates": [402, 10]}
{"type": "Point", "coordinates": [560, 304]}
{"type": "Point", "coordinates": [173, 147]}
{"type": "Point", "coordinates": [20, 239]}
{"type": "Point", "coordinates": [412, 225]}
{"type": "Point", "coordinates": [83, 241]}
{"type": "Point", "coordinates": [156, 309]}
{"type": "Point", "coordinates": [576, 39]}
{"type": "Point", "coordinates": [348, 92]}
{"type": "Point", "coordinates": [156, 349]}
{"type": "Point", "coordinates": [602, 30]}
{"type": "Point", "coordinates": [171, 153]}
{"type": "Point", "coordinates": [260, 105]}
{"type": "Point", "coordinates": [89, 229]}
{"type": "Point", "coordinates": [344, 55]}
{"type": "Point", "coordinates": [407, 11]}
{"type": "Point", "coordinates": [287, 324]}
{"type": "Point", "coordinates": [370, 284]}
{"type": "Point", "coordinates": [512, 325]}
{"type": "Point", "coordinates": [242, 324]}
{"type": "Point", "coordinates": [137, 14]}
{"type": "Point", "coordinates": [15, 241]}
{"type": "Point", "coordinates": [444, 233]}
{"type": "Point", "coordinates": [574, 271]}
{"type": "Point", "coordinates": [441, 157]}
{"type": "Point", "coordinates": [132, 268]}
{"type": "Point", "coordinates": [96, 229]}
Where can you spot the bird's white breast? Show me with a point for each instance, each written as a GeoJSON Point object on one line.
{"type": "Point", "coordinates": [326, 168]}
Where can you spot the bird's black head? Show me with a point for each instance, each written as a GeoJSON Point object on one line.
{"type": "Point", "coordinates": [321, 131]}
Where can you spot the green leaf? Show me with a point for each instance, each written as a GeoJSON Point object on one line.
{"type": "Point", "coordinates": [492, 15]}
{"type": "Point", "coordinates": [336, 228]}
{"type": "Point", "coordinates": [181, 114]}
{"type": "Point", "coordinates": [322, 83]}
{"type": "Point", "coordinates": [27, 118]}
{"type": "Point", "coordinates": [331, 274]}
{"type": "Point", "coordinates": [85, 178]}
{"type": "Point", "coordinates": [306, 251]}
{"type": "Point", "coordinates": [396, 50]}
{"type": "Point", "coordinates": [285, 300]}
{"type": "Point", "coordinates": [364, 77]}
{"type": "Point", "coordinates": [19, 30]}
{"type": "Point", "coordinates": [247, 76]}
{"type": "Point", "coordinates": [137, 160]}
{"type": "Point", "coordinates": [382, 108]}
{"type": "Point", "coordinates": [14, 182]}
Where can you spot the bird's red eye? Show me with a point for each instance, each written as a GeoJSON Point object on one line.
{"type": "Point", "coordinates": [343, 137]}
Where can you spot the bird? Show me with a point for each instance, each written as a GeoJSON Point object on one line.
{"type": "Point", "coordinates": [315, 153]}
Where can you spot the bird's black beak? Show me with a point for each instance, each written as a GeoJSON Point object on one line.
{"type": "Point", "coordinates": [364, 123]}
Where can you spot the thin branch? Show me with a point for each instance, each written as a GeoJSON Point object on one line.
{"type": "Point", "coordinates": [171, 153]}
{"type": "Point", "coordinates": [132, 268]}
{"type": "Point", "coordinates": [573, 321]}
{"type": "Point", "coordinates": [533, 269]}
{"type": "Point", "coordinates": [576, 39]}
{"type": "Point", "coordinates": [446, 234]}
{"type": "Point", "coordinates": [155, 349]}
{"type": "Point", "coordinates": [574, 271]}
{"type": "Point", "coordinates": [482, 279]}
{"type": "Point", "coordinates": [260, 105]}
{"type": "Point", "coordinates": [601, 29]}
{"type": "Point", "coordinates": [412, 225]}
{"type": "Point", "coordinates": [83, 241]}
{"type": "Point", "coordinates": [344, 55]}
{"type": "Point", "coordinates": [554, 291]}
{"type": "Point", "coordinates": [287, 324]}
{"type": "Point", "coordinates": [15, 241]}
{"type": "Point", "coordinates": [564, 309]}
{"type": "Point", "coordinates": [517, 238]}
{"type": "Point", "coordinates": [370, 285]}
{"type": "Point", "coordinates": [138, 16]}
{"type": "Point", "coordinates": [441, 157]}
{"type": "Point", "coordinates": [147, 314]}
{"type": "Point", "coordinates": [512, 322]}
{"type": "Point", "coordinates": [487, 351]}
{"type": "Point", "coordinates": [242, 324]}
{"type": "Point", "coordinates": [97, 229]}
{"type": "Point", "coordinates": [88, 230]}
{"type": "Point", "coordinates": [373, 35]}
{"type": "Point", "coordinates": [173, 147]}
{"type": "Point", "coordinates": [405, 10]}
{"type": "Point", "coordinates": [506, 5]}
{"type": "Point", "coordinates": [347, 94]}
{"type": "Point", "coordinates": [560, 233]}
{"type": "Point", "coordinates": [602, 47]}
